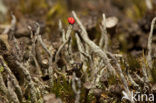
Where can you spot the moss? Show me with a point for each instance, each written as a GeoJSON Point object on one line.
{"type": "Point", "coordinates": [153, 73]}
{"type": "Point", "coordinates": [137, 10]}
{"type": "Point", "coordinates": [32, 5]}
{"type": "Point", "coordinates": [1, 69]}
{"type": "Point", "coordinates": [62, 88]}
{"type": "Point", "coordinates": [134, 63]}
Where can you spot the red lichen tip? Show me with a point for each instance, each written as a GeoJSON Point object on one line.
{"type": "Point", "coordinates": [71, 20]}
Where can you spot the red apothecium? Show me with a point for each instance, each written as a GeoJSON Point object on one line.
{"type": "Point", "coordinates": [71, 20]}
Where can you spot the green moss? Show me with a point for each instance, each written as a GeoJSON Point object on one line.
{"type": "Point", "coordinates": [1, 69]}
{"type": "Point", "coordinates": [32, 5]}
{"type": "Point", "coordinates": [133, 62]}
{"type": "Point", "coordinates": [62, 88]}
{"type": "Point", "coordinates": [59, 10]}
{"type": "Point", "coordinates": [153, 73]}
{"type": "Point", "coordinates": [137, 10]}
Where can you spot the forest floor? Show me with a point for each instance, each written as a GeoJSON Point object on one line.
{"type": "Point", "coordinates": [106, 54]}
